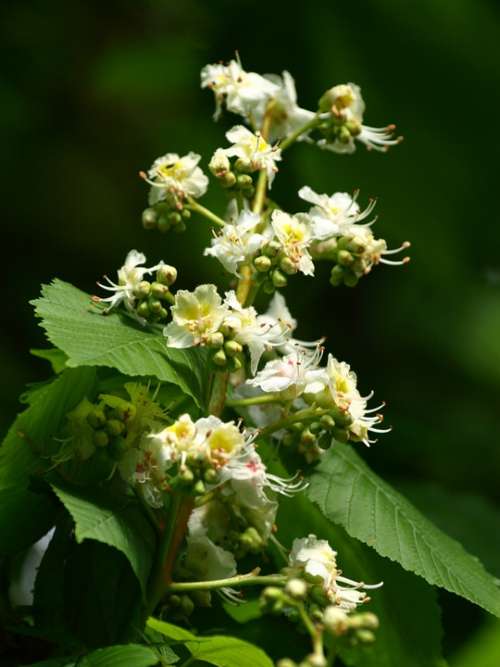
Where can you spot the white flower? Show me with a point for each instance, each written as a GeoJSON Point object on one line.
{"type": "Point", "coordinates": [239, 242]}
{"type": "Point", "coordinates": [347, 104]}
{"type": "Point", "coordinates": [375, 251]}
{"type": "Point", "coordinates": [206, 561]}
{"type": "Point", "coordinates": [253, 151]}
{"type": "Point", "coordinates": [244, 93]}
{"type": "Point", "coordinates": [317, 559]}
{"type": "Point", "coordinates": [224, 440]}
{"type": "Point", "coordinates": [278, 316]}
{"type": "Point", "coordinates": [129, 276]}
{"type": "Point", "coordinates": [247, 330]}
{"type": "Point", "coordinates": [292, 373]}
{"type": "Point", "coordinates": [249, 477]}
{"type": "Point", "coordinates": [294, 234]}
{"type": "Point", "coordinates": [195, 316]}
{"type": "Point", "coordinates": [219, 163]}
{"type": "Point", "coordinates": [333, 215]}
{"type": "Point", "coordinates": [336, 385]}
{"type": "Point", "coordinates": [180, 175]}
{"type": "Point", "coordinates": [147, 467]}
{"type": "Point", "coordinates": [285, 113]}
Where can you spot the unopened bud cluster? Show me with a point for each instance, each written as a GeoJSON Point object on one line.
{"type": "Point", "coordinates": [233, 175]}
{"type": "Point", "coordinates": [166, 215]}
{"type": "Point", "coordinates": [153, 297]}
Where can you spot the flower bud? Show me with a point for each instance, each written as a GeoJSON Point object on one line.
{"type": "Point", "coordinates": [337, 276]}
{"type": "Point", "coordinates": [166, 274]}
{"type": "Point", "coordinates": [155, 306]}
{"type": "Point", "coordinates": [186, 475]}
{"type": "Point", "coordinates": [327, 422]}
{"type": "Point", "coordinates": [101, 438]}
{"type": "Point", "coordinates": [279, 280]}
{"type": "Point", "coordinates": [115, 427]}
{"type": "Point", "coordinates": [307, 437]}
{"type": "Point", "coordinates": [219, 164]}
{"type": "Point", "coordinates": [268, 287]}
{"type": "Point", "coordinates": [296, 588]}
{"type": "Point", "coordinates": [187, 605]}
{"type": "Point", "coordinates": [244, 181]}
{"type": "Point", "coordinates": [335, 620]}
{"type": "Point", "coordinates": [243, 166]}
{"type": "Point", "coordinates": [345, 258]}
{"type": "Point", "coordinates": [228, 180]}
{"type": "Point", "coordinates": [251, 539]}
{"type": "Point", "coordinates": [174, 218]}
{"type": "Point", "coordinates": [199, 488]}
{"type": "Point", "coordinates": [365, 636]}
{"type": "Point", "coordinates": [288, 266]}
{"type": "Point", "coordinates": [272, 593]}
{"type": "Point", "coordinates": [210, 476]}
{"type": "Point", "coordinates": [186, 214]}
{"type": "Point", "coordinates": [215, 340]}
{"type": "Point", "coordinates": [159, 290]}
{"type": "Point", "coordinates": [96, 418]}
{"type": "Point", "coordinates": [232, 348]}
{"type": "Point", "coordinates": [219, 358]}
{"type": "Point", "coordinates": [271, 249]}
{"type": "Point", "coordinates": [180, 227]}
{"type": "Point", "coordinates": [163, 225]}
{"type": "Point", "coordinates": [350, 279]}
{"type": "Point", "coordinates": [143, 310]}
{"type": "Point", "coordinates": [286, 662]}
{"type": "Point", "coordinates": [149, 218]}
{"type": "Point", "coordinates": [142, 289]}
{"type": "Point", "coordinates": [262, 263]}
{"type": "Point", "coordinates": [340, 434]}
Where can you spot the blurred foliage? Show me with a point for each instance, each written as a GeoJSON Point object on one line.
{"type": "Point", "coordinates": [92, 92]}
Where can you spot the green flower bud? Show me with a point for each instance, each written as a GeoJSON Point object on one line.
{"type": "Point", "coordinates": [344, 135]}
{"type": "Point", "coordinates": [345, 258]}
{"type": "Point", "coordinates": [286, 662]}
{"type": "Point", "coordinates": [232, 348]}
{"type": "Point", "coordinates": [210, 476]}
{"type": "Point", "coordinates": [251, 539]}
{"type": "Point", "coordinates": [219, 358]}
{"type": "Point", "coordinates": [101, 438]}
{"type": "Point", "coordinates": [315, 427]}
{"type": "Point", "coordinates": [186, 475]}
{"type": "Point", "coordinates": [149, 218]}
{"type": "Point", "coordinates": [143, 310]}
{"type": "Point", "coordinates": [288, 266]}
{"type": "Point", "coordinates": [96, 418]}
{"type": "Point", "coordinates": [199, 488]}
{"type": "Point", "coordinates": [163, 225]}
{"type": "Point", "coordinates": [236, 363]}
{"type": "Point", "coordinates": [272, 593]}
{"type": "Point", "coordinates": [186, 214]}
{"type": "Point", "coordinates": [215, 340]}
{"type": "Point", "coordinates": [327, 422]}
{"type": "Point", "coordinates": [262, 263]}
{"type": "Point", "coordinates": [297, 427]}
{"type": "Point", "coordinates": [272, 248]}
{"type": "Point", "coordinates": [228, 180]}
{"type": "Point", "coordinates": [242, 166]}
{"type": "Point", "coordinates": [365, 636]}
{"type": "Point", "coordinates": [354, 127]}
{"type": "Point", "coordinates": [166, 274]}
{"type": "Point", "coordinates": [174, 218]}
{"type": "Point", "coordinates": [340, 434]}
{"type": "Point", "coordinates": [307, 437]}
{"type": "Point", "coordinates": [187, 605]}
{"type": "Point", "coordinates": [155, 306]}
{"type": "Point", "coordinates": [142, 289]}
{"type": "Point", "coordinates": [163, 314]}
{"type": "Point", "coordinates": [115, 427]}
{"type": "Point", "coordinates": [279, 280]}
{"type": "Point", "coordinates": [179, 228]}
{"type": "Point", "coordinates": [174, 601]}
{"type": "Point", "coordinates": [296, 588]}
{"type": "Point", "coordinates": [159, 291]}
{"type": "Point", "coordinates": [244, 181]}
{"type": "Point", "coordinates": [350, 279]}
{"type": "Point", "coordinates": [337, 276]}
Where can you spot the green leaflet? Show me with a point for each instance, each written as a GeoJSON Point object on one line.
{"type": "Point", "coordinates": [129, 655]}
{"type": "Point", "coordinates": [350, 494]}
{"type": "Point", "coordinates": [116, 521]}
{"type": "Point", "coordinates": [216, 650]}
{"type": "Point", "coordinates": [410, 625]}
{"type": "Point", "coordinates": [32, 432]}
{"type": "Point", "coordinates": [56, 358]}
{"type": "Point", "coordinates": [80, 330]}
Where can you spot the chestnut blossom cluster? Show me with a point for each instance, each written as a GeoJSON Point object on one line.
{"type": "Point", "coordinates": [285, 389]}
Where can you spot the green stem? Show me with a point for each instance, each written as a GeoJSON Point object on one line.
{"type": "Point", "coordinates": [239, 580]}
{"type": "Point", "coordinates": [218, 393]}
{"type": "Point", "coordinates": [301, 130]}
{"type": "Point", "coordinates": [260, 192]}
{"type": "Point", "coordinates": [254, 400]}
{"type": "Point", "coordinates": [198, 208]}
{"type": "Point", "coordinates": [301, 415]}
{"type": "Point", "coordinates": [156, 585]}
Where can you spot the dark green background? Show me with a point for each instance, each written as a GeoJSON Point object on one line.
{"type": "Point", "coordinates": [92, 92]}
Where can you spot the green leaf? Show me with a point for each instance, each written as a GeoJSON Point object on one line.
{"type": "Point", "coordinates": [24, 518]}
{"type": "Point", "coordinates": [216, 650]}
{"type": "Point", "coordinates": [76, 326]}
{"type": "Point", "coordinates": [410, 626]}
{"type": "Point", "coordinates": [129, 655]}
{"type": "Point", "coordinates": [350, 494]}
{"type": "Point", "coordinates": [56, 358]}
{"type": "Point", "coordinates": [116, 521]}
{"type": "Point", "coordinates": [32, 432]}
{"type": "Point", "coordinates": [483, 650]}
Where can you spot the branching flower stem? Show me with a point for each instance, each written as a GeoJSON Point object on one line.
{"type": "Point", "coordinates": [193, 205]}
{"type": "Point", "coordinates": [299, 416]}
{"type": "Point", "coordinates": [254, 400]}
{"type": "Point", "coordinates": [250, 579]}
{"type": "Point", "coordinates": [310, 125]}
